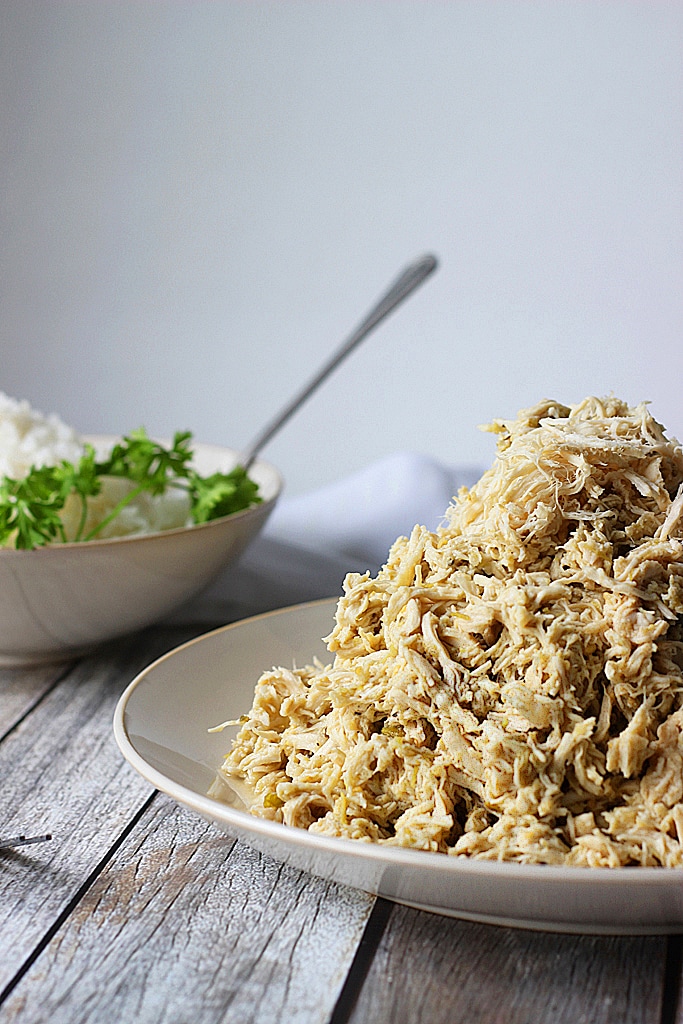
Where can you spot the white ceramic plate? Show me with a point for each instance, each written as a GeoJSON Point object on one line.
{"type": "Point", "coordinates": [161, 725]}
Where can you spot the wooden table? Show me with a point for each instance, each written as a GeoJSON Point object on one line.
{"type": "Point", "coordinates": [137, 911]}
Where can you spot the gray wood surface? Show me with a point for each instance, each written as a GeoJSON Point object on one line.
{"type": "Point", "coordinates": [185, 924]}
{"type": "Point", "coordinates": [63, 774]}
{"type": "Point", "coordinates": [443, 971]}
{"type": "Point", "coordinates": [21, 689]}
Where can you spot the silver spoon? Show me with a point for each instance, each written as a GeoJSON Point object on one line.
{"type": "Point", "coordinates": [413, 275]}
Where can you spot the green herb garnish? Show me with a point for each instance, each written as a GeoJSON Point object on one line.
{"type": "Point", "coordinates": [30, 508]}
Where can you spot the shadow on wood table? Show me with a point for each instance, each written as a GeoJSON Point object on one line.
{"type": "Point", "coordinates": [138, 911]}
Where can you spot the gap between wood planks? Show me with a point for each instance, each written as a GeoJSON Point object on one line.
{"type": "Point", "coordinates": [30, 707]}
{"type": "Point", "coordinates": [76, 898]}
{"type": "Point", "coordinates": [671, 995]}
{"type": "Point", "coordinates": [360, 965]}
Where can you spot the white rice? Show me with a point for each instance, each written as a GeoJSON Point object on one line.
{"type": "Point", "coordinates": [28, 438]}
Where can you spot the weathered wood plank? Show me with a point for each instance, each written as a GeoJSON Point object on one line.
{"type": "Point", "coordinates": [444, 971]}
{"type": "Point", "coordinates": [185, 924]}
{"type": "Point", "coordinates": [672, 1004]}
{"type": "Point", "coordinates": [62, 773]}
{"type": "Point", "coordinates": [22, 688]}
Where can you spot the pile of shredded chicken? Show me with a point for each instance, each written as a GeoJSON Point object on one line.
{"type": "Point", "coordinates": [510, 686]}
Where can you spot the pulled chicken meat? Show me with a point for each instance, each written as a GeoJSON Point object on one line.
{"type": "Point", "coordinates": [509, 686]}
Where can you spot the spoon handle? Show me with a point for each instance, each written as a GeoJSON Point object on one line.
{"type": "Point", "coordinates": [413, 275]}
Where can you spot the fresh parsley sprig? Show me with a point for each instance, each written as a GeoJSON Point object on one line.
{"type": "Point", "coordinates": [140, 459]}
{"type": "Point", "coordinates": [221, 494]}
{"type": "Point", "coordinates": [30, 508]}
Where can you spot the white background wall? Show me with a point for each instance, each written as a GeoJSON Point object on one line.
{"type": "Point", "coordinates": [200, 199]}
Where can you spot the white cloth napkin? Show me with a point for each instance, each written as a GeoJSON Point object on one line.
{"type": "Point", "coordinates": [361, 515]}
{"type": "Point", "coordinates": [312, 540]}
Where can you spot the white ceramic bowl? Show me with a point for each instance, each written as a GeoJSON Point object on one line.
{"type": "Point", "coordinates": [59, 600]}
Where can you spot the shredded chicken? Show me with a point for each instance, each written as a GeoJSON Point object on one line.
{"type": "Point", "coordinates": [509, 686]}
